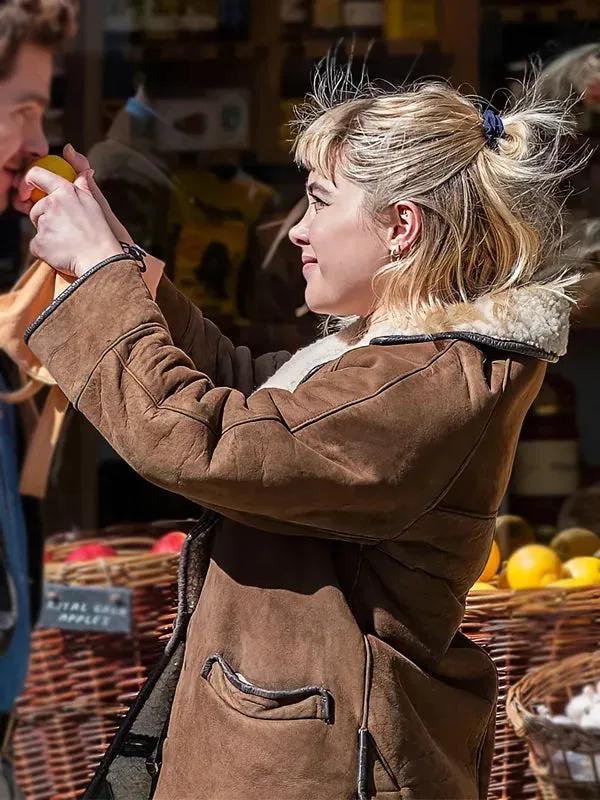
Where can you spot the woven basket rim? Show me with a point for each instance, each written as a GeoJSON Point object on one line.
{"type": "Point", "coordinates": [563, 736]}
{"type": "Point", "coordinates": [543, 602]}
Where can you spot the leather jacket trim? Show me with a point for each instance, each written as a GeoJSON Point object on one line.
{"type": "Point", "coordinates": [291, 695]}
{"type": "Point", "coordinates": [476, 338]}
{"type": "Point", "coordinates": [69, 291]}
{"type": "Point", "coordinates": [204, 526]}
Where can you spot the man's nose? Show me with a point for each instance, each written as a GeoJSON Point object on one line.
{"type": "Point", "coordinates": [35, 145]}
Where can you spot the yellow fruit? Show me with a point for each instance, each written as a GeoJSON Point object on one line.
{"type": "Point", "coordinates": [54, 164]}
{"type": "Point", "coordinates": [513, 532]}
{"type": "Point", "coordinates": [493, 562]}
{"type": "Point", "coordinates": [481, 586]}
{"type": "Point", "coordinates": [586, 568]}
{"type": "Point", "coordinates": [533, 566]}
{"type": "Point", "coordinates": [575, 542]}
{"type": "Point", "coordinates": [567, 583]}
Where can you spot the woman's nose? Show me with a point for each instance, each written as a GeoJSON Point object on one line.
{"type": "Point", "coordinates": [299, 233]}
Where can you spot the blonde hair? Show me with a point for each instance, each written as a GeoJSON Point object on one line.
{"type": "Point", "coordinates": [571, 71]}
{"type": "Point", "coordinates": [492, 216]}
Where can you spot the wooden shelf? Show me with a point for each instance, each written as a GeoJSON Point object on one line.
{"type": "Point", "coordinates": [311, 48]}
{"type": "Point", "coordinates": [397, 48]}
{"type": "Point", "coordinates": [190, 51]}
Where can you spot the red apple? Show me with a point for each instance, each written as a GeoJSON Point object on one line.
{"type": "Point", "coordinates": [89, 552]}
{"type": "Point", "coordinates": [171, 542]}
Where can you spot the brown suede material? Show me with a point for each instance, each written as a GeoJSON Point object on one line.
{"type": "Point", "coordinates": [357, 510]}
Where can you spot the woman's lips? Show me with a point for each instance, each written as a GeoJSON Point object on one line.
{"type": "Point", "coordinates": [308, 265]}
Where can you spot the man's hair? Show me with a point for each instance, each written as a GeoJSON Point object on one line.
{"type": "Point", "coordinates": [45, 23]}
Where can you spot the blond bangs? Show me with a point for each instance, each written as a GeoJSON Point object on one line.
{"type": "Point", "coordinates": [492, 216]}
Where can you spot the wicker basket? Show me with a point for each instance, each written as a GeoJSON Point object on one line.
{"type": "Point", "coordinates": [81, 684]}
{"type": "Point", "coordinates": [521, 631]}
{"type": "Point", "coordinates": [565, 759]}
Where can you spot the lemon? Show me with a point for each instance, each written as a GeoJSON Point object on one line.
{"type": "Point", "coordinates": [567, 583]}
{"type": "Point", "coordinates": [575, 542]}
{"type": "Point", "coordinates": [54, 164]}
{"type": "Point", "coordinates": [513, 532]}
{"type": "Point", "coordinates": [532, 567]}
{"type": "Point", "coordinates": [481, 586]}
{"type": "Point", "coordinates": [493, 562]}
{"type": "Point", "coordinates": [586, 568]}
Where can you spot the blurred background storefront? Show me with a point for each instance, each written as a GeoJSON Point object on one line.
{"type": "Point", "coordinates": [184, 108]}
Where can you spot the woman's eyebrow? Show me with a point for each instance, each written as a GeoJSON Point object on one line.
{"type": "Point", "coordinates": [318, 187]}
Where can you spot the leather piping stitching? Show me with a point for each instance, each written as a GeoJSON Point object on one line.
{"type": "Point", "coordinates": [292, 695]}
{"type": "Point", "coordinates": [351, 403]}
{"type": "Point", "coordinates": [460, 513]}
{"type": "Point", "coordinates": [477, 338]}
{"type": "Point", "coordinates": [69, 291]}
{"type": "Point", "coordinates": [458, 473]}
{"type": "Point", "coordinates": [248, 421]}
{"type": "Point", "coordinates": [163, 406]}
{"type": "Point", "coordinates": [138, 745]}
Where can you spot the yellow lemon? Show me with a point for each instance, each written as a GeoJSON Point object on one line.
{"type": "Point", "coordinates": [54, 164]}
{"type": "Point", "coordinates": [586, 568]}
{"type": "Point", "coordinates": [481, 586]}
{"type": "Point", "coordinates": [493, 562]}
{"type": "Point", "coordinates": [533, 566]}
{"type": "Point", "coordinates": [567, 583]}
{"type": "Point", "coordinates": [575, 542]}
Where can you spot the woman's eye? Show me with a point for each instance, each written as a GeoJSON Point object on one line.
{"type": "Point", "coordinates": [317, 203]}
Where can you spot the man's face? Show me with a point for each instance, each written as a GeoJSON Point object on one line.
{"type": "Point", "coordinates": [24, 96]}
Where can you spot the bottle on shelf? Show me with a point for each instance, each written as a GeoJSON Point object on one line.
{"type": "Point", "coordinates": [199, 15]}
{"type": "Point", "coordinates": [123, 16]}
{"type": "Point", "coordinates": [411, 19]}
{"type": "Point", "coordinates": [326, 15]}
{"type": "Point", "coordinates": [161, 17]}
{"type": "Point", "coordinates": [363, 16]}
{"type": "Point", "coordinates": [295, 15]}
{"type": "Point", "coordinates": [546, 469]}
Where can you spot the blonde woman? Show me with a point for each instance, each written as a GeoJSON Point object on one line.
{"type": "Point", "coordinates": [350, 489]}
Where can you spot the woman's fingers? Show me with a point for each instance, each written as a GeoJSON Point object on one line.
{"type": "Point", "coordinates": [77, 160]}
{"type": "Point", "coordinates": [38, 210]}
{"type": "Point", "coordinates": [45, 180]}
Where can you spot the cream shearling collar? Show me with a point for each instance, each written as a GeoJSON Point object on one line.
{"type": "Point", "coordinates": [532, 320]}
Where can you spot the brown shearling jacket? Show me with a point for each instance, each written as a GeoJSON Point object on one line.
{"type": "Point", "coordinates": [349, 506]}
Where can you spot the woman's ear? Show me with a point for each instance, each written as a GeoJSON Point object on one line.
{"type": "Point", "coordinates": [406, 226]}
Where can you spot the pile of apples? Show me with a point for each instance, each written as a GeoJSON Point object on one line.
{"type": "Point", "coordinates": [516, 561]}
{"type": "Point", "coordinates": [170, 543]}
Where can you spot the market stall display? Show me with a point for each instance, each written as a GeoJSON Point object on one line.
{"type": "Point", "coordinates": [81, 682]}
{"type": "Point", "coordinates": [524, 628]}
{"type": "Point", "coordinates": [555, 710]}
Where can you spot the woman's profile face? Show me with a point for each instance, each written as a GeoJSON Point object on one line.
{"type": "Point", "coordinates": [341, 252]}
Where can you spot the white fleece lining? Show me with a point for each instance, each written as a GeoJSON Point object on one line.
{"type": "Point", "coordinates": [534, 316]}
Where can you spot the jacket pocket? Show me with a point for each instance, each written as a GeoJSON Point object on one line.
{"type": "Point", "coordinates": [309, 702]}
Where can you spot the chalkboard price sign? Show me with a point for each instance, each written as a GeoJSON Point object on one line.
{"type": "Point", "coordinates": [80, 608]}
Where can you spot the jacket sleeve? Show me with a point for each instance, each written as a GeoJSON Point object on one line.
{"type": "Point", "coordinates": [209, 350]}
{"type": "Point", "coordinates": [331, 456]}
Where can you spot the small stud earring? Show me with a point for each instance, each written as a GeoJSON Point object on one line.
{"type": "Point", "coordinates": [396, 252]}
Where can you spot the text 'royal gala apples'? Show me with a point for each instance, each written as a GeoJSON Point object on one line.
{"type": "Point", "coordinates": [58, 166]}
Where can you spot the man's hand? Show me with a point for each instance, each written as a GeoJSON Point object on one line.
{"type": "Point", "coordinates": [72, 231]}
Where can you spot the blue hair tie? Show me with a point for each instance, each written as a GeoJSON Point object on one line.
{"type": "Point", "coordinates": [493, 128]}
